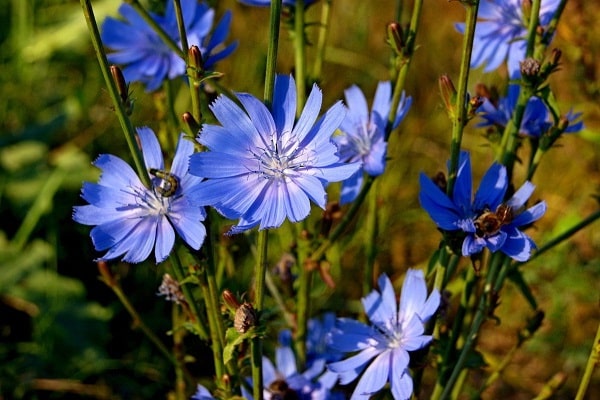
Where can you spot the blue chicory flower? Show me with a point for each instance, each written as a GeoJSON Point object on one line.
{"type": "Point", "coordinates": [132, 219]}
{"type": "Point", "coordinates": [284, 377]}
{"type": "Point", "coordinates": [501, 32]}
{"type": "Point", "coordinates": [383, 347]}
{"type": "Point", "coordinates": [147, 58]}
{"type": "Point", "coordinates": [264, 167]}
{"type": "Point", "coordinates": [536, 118]}
{"type": "Point", "coordinates": [363, 134]}
{"type": "Point", "coordinates": [487, 220]}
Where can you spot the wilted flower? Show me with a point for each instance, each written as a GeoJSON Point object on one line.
{"type": "Point", "coordinates": [147, 58]}
{"type": "Point", "coordinates": [132, 219]}
{"type": "Point", "coordinates": [487, 220]}
{"type": "Point", "coordinates": [363, 134]}
{"type": "Point", "coordinates": [501, 33]}
{"type": "Point", "coordinates": [536, 118]}
{"type": "Point", "coordinates": [262, 167]}
{"type": "Point", "coordinates": [396, 328]}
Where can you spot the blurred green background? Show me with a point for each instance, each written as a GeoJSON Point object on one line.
{"type": "Point", "coordinates": [63, 334]}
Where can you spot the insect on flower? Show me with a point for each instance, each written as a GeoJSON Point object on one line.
{"type": "Point", "coordinates": [167, 183]}
{"type": "Point", "coordinates": [490, 222]}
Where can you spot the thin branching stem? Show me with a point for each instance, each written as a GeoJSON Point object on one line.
{"type": "Point", "coordinates": [124, 120]}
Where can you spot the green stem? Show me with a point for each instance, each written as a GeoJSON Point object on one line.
{"type": "Point", "coordinates": [300, 56]}
{"type": "Point", "coordinates": [592, 361]}
{"type": "Point", "coordinates": [276, 295]}
{"type": "Point", "coordinates": [113, 284]}
{"type": "Point", "coordinates": [178, 335]}
{"type": "Point", "coordinates": [563, 236]}
{"type": "Point", "coordinates": [460, 114]}
{"type": "Point", "coordinates": [534, 20]}
{"type": "Point", "coordinates": [164, 36]}
{"type": "Point", "coordinates": [180, 276]}
{"type": "Point", "coordinates": [471, 338]}
{"type": "Point", "coordinates": [274, 22]}
{"type": "Point", "coordinates": [213, 321]}
{"type": "Point", "coordinates": [510, 136]}
{"type": "Point", "coordinates": [405, 61]}
{"type": "Point", "coordinates": [549, 34]}
{"type": "Point", "coordinates": [306, 268]}
{"type": "Point", "coordinates": [322, 39]}
{"type": "Point", "coordinates": [181, 26]}
{"type": "Point", "coordinates": [370, 244]}
{"type": "Point", "coordinates": [259, 286]}
{"type": "Point", "coordinates": [126, 125]}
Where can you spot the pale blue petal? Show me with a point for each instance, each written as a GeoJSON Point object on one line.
{"type": "Point", "coordinates": [309, 115]}
{"type": "Point", "coordinates": [413, 295]}
{"type": "Point", "coordinates": [521, 196]}
{"type": "Point", "coordinates": [381, 307]}
{"type": "Point", "coordinates": [532, 214]}
{"type": "Point", "coordinates": [374, 377]}
{"type": "Point", "coordinates": [357, 103]}
{"type": "Point", "coordinates": [284, 103]}
{"type": "Point", "coordinates": [165, 238]}
{"type": "Point", "coordinates": [351, 187]}
{"type": "Point", "coordinates": [181, 160]}
{"type": "Point", "coordinates": [402, 384]}
{"type": "Point", "coordinates": [382, 100]}
{"type": "Point", "coordinates": [150, 149]}
{"type": "Point", "coordinates": [285, 360]}
{"type": "Point", "coordinates": [218, 165]}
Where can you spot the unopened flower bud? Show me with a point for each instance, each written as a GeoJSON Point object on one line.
{"type": "Point", "coordinates": [195, 65]}
{"type": "Point", "coordinates": [230, 300]}
{"type": "Point", "coordinates": [245, 318]}
{"type": "Point", "coordinates": [555, 57]}
{"type": "Point", "coordinates": [171, 289]}
{"type": "Point", "coordinates": [195, 58]}
{"type": "Point", "coordinates": [122, 88]}
{"type": "Point", "coordinates": [395, 37]}
{"type": "Point", "coordinates": [192, 126]}
{"type": "Point", "coordinates": [563, 123]}
{"type": "Point", "coordinates": [448, 92]}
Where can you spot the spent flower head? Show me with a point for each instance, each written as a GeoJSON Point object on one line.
{"type": "Point", "coordinates": [363, 134]}
{"type": "Point", "coordinates": [131, 219]}
{"type": "Point", "coordinates": [382, 348]}
{"type": "Point", "coordinates": [501, 33]}
{"type": "Point", "coordinates": [147, 58]}
{"type": "Point", "coordinates": [262, 165]}
{"type": "Point", "coordinates": [486, 220]}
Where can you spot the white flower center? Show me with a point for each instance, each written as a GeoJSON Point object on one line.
{"type": "Point", "coordinates": [361, 142]}
{"type": "Point", "coordinates": [149, 203]}
{"type": "Point", "coordinates": [278, 161]}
